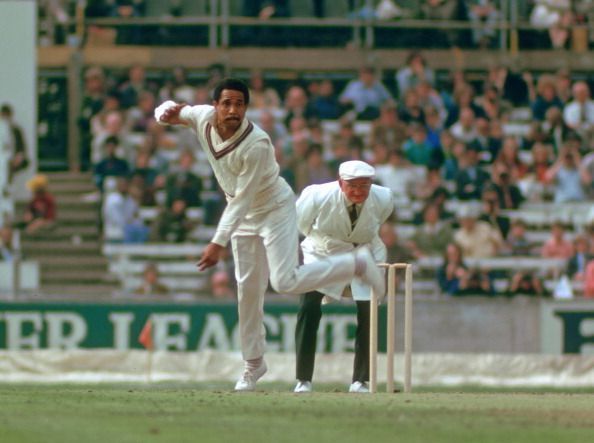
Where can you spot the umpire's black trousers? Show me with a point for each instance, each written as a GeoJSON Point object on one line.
{"type": "Point", "coordinates": [306, 331]}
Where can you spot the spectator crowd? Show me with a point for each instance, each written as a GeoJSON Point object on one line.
{"type": "Point", "coordinates": [546, 23]}
{"type": "Point", "coordinates": [451, 152]}
{"type": "Point", "coordinates": [460, 154]}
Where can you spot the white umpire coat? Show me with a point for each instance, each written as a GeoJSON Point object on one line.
{"type": "Point", "coordinates": [323, 218]}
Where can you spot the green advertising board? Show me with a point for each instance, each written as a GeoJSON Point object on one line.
{"type": "Point", "coordinates": [175, 326]}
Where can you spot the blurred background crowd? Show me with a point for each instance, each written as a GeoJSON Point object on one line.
{"type": "Point", "coordinates": [499, 166]}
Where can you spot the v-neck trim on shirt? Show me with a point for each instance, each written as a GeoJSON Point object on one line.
{"type": "Point", "coordinates": [232, 145]}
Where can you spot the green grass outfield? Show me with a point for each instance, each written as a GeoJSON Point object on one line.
{"type": "Point", "coordinates": [167, 412]}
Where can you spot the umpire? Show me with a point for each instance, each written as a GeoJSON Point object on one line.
{"type": "Point", "coordinates": [338, 217]}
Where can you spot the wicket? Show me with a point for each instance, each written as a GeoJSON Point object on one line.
{"type": "Point", "coordinates": [391, 328]}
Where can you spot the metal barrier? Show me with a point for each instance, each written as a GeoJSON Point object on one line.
{"type": "Point", "coordinates": [219, 21]}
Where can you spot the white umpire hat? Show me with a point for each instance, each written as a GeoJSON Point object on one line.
{"type": "Point", "coordinates": [355, 169]}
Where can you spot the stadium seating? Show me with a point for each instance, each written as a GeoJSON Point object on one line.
{"type": "Point", "coordinates": [300, 66]}
{"type": "Point", "coordinates": [176, 264]}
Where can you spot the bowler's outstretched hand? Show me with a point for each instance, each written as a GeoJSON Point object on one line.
{"type": "Point", "coordinates": [171, 115]}
{"type": "Point", "coordinates": [210, 256]}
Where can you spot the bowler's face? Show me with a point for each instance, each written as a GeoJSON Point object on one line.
{"type": "Point", "coordinates": [356, 190]}
{"type": "Point", "coordinates": [230, 108]}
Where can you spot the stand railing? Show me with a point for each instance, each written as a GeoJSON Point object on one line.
{"type": "Point", "coordinates": [220, 23]}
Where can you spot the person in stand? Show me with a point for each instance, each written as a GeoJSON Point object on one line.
{"type": "Point", "coordinates": [471, 178]}
{"type": "Point", "coordinates": [433, 235]}
{"type": "Point", "coordinates": [184, 183]}
{"type": "Point", "coordinates": [577, 263]}
{"type": "Point", "coordinates": [477, 238]}
{"type": "Point", "coordinates": [366, 95]}
{"type": "Point", "coordinates": [172, 224]}
{"type": "Point", "coordinates": [453, 274]}
{"type": "Point", "coordinates": [525, 283]}
{"type": "Point", "coordinates": [8, 250]}
{"type": "Point", "coordinates": [557, 245]}
{"type": "Point", "coordinates": [111, 165]}
{"type": "Point", "coordinates": [151, 282]}
{"type": "Point", "coordinates": [337, 217]}
{"type": "Point", "coordinates": [121, 221]}
{"type": "Point", "coordinates": [19, 160]}
{"type": "Point", "coordinates": [40, 214]}
{"type": "Point", "coordinates": [259, 219]}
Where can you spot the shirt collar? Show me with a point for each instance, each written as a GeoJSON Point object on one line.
{"type": "Point", "coordinates": [213, 123]}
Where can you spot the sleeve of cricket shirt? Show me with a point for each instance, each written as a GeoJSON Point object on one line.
{"type": "Point", "coordinates": [195, 115]}
{"type": "Point", "coordinates": [378, 249]}
{"type": "Point", "coordinates": [306, 210]}
{"type": "Point", "coordinates": [191, 114]}
{"type": "Point", "coordinates": [388, 208]}
{"type": "Point", "coordinates": [248, 183]}
{"type": "Point", "coordinates": [385, 207]}
{"type": "Point", "coordinates": [160, 110]}
{"type": "Point", "coordinates": [385, 204]}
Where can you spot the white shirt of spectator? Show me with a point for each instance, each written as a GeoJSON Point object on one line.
{"type": "Point", "coordinates": [579, 116]}
{"type": "Point", "coordinates": [400, 180]}
{"type": "Point", "coordinates": [363, 97]}
{"type": "Point", "coordinates": [465, 134]}
{"type": "Point", "coordinates": [118, 211]}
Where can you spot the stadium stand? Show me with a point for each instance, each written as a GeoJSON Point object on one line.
{"type": "Point", "coordinates": [79, 270]}
{"type": "Point", "coordinates": [305, 64]}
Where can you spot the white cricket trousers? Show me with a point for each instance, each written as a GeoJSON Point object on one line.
{"type": "Point", "coordinates": [266, 247]}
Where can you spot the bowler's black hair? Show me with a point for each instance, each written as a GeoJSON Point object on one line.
{"type": "Point", "coordinates": [234, 84]}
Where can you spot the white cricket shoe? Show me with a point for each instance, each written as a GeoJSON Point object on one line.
{"type": "Point", "coordinates": [248, 380]}
{"type": "Point", "coordinates": [369, 272]}
{"type": "Point", "coordinates": [359, 387]}
{"type": "Point", "coordinates": [303, 387]}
